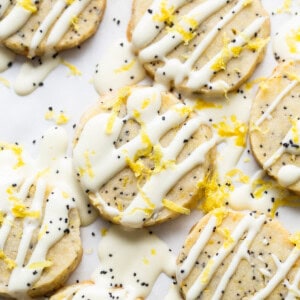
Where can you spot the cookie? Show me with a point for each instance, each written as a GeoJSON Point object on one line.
{"type": "Point", "coordinates": [33, 28]}
{"type": "Point", "coordinates": [274, 126]}
{"type": "Point", "coordinates": [40, 242]}
{"type": "Point", "coordinates": [140, 155]}
{"type": "Point", "coordinates": [198, 46]}
{"type": "Point", "coordinates": [235, 255]}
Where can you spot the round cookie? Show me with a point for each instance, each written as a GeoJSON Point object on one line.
{"type": "Point", "coordinates": [140, 154]}
{"type": "Point", "coordinates": [274, 126]}
{"type": "Point", "coordinates": [234, 255]}
{"type": "Point", "coordinates": [40, 242]}
{"type": "Point", "coordinates": [197, 45]}
{"type": "Point", "coordinates": [48, 26]}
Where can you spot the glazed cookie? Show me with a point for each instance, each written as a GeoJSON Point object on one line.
{"type": "Point", "coordinates": [33, 28]}
{"type": "Point", "coordinates": [140, 156]}
{"type": "Point", "coordinates": [275, 125]}
{"type": "Point", "coordinates": [39, 224]}
{"type": "Point", "coordinates": [234, 255]}
{"type": "Point", "coordinates": [197, 45]}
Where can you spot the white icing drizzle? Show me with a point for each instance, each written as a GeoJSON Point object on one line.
{"type": "Point", "coordinates": [239, 255]}
{"type": "Point", "coordinates": [4, 6]}
{"type": "Point", "coordinates": [293, 288]}
{"type": "Point", "coordinates": [55, 25]}
{"type": "Point", "coordinates": [43, 29]}
{"type": "Point", "coordinates": [287, 146]}
{"type": "Point", "coordinates": [197, 248]}
{"type": "Point", "coordinates": [119, 67]}
{"type": "Point", "coordinates": [56, 207]}
{"type": "Point", "coordinates": [6, 58]}
{"type": "Point", "coordinates": [200, 77]}
{"type": "Point", "coordinates": [267, 113]}
{"type": "Point", "coordinates": [146, 29]}
{"type": "Point", "coordinates": [63, 23]}
{"type": "Point", "coordinates": [53, 149]}
{"type": "Point", "coordinates": [174, 70]}
{"type": "Point", "coordinates": [162, 47]}
{"type": "Point", "coordinates": [281, 272]}
{"type": "Point", "coordinates": [248, 224]}
{"type": "Point", "coordinates": [16, 18]}
{"type": "Point", "coordinates": [106, 157]}
{"type": "Point", "coordinates": [52, 170]}
{"type": "Point", "coordinates": [31, 76]}
{"type": "Point", "coordinates": [285, 42]}
{"type": "Point", "coordinates": [131, 278]}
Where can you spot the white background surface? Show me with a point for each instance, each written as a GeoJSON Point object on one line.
{"type": "Point", "coordinates": [22, 120]}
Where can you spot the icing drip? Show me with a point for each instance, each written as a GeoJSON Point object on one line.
{"type": "Point", "coordinates": [119, 67]}
{"type": "Point", "coordinates": [135, 277]}
{"type": "Point", "coordinates": [95, 152]}
{"type": "Point", "coordinates": [286, 42]}
{"type": "Point", "coordinates": [244, 196]}
{"type": "Point", "coordinates": [31, 76]}
{"type": "Point", "coordinates": [288, 174]}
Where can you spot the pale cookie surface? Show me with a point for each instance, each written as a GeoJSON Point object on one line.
{"type": "Point", "coordinates": [275, 125]}
{"type": "Point", "coordinates": [39, 224]}
{"type": "Point", "coordinates": [141, 155]}
{"type": "Point", "coordinates": [200, 46]}
{"type": "Point", "coordinates": [234, 255]}
{"type": "Point", "coordinates": [35, 28]}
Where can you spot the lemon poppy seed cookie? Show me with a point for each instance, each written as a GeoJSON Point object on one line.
{"type": "Point", "coordinates": [33, 28]}
{"type": "Point", "coordinates": [141, 155]}
{"type": "Point", "coordinates": [210, 47]}
{"type": "Point", "coordinates": [234, 255]}
{"type": "Point", "coordinates": [39, 223]}
{"type": "Point", "coordinates": [275, 125]}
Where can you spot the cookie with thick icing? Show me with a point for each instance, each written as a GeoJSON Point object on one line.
{"type": "Point", "coordinates": [140, 154]}
{"type": "Point", "coordinates": [40, 242]}
{"type": "Point", "coordinates": [33, 28]}
{"type": "Point", "coordinates": [275, 125]}
{"type": "Point", "coordinates": [200, 46]}
{"type": "Point", "coordinates": [234, 255]}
